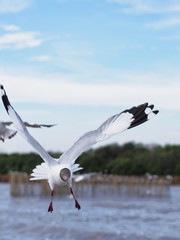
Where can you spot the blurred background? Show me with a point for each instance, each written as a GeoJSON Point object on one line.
{"type": "Point", "coordinates": [74, 64]}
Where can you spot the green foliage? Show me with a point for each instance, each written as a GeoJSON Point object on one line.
{"type": "Point", "coordinates": [127, 159]}
{"type": "Point", "coordinates": [133, 159]}
{"type": "Point", "coordinates": [18, 162]}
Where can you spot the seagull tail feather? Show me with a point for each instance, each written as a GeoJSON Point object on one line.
{"type": "Point", "coordinates": [40, 172]}
{"type": "Point", "coordinates": [76, 167]}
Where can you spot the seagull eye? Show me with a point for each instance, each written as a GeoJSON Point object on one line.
{"type": "Point", "coordinates": [65, 174]}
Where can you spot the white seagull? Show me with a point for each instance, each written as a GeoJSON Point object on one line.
{"type": "Point", "coordinates": [6, 132]}
{"type": "Point", "coordinates": [60, 171]}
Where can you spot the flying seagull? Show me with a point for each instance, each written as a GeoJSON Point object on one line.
{"type": "Point", "coordinates": [6, 132]}
{"type": "Point", "coordinates": [60, 171]}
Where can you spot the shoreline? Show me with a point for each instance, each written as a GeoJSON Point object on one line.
{"type": "Point", "coordinates": [116, 179]}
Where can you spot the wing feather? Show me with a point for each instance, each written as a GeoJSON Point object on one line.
{"type": "Point", "coordinates": [7, 123]}
{"type": "Point", "coordinates": [22, 130]}
{"type": "Point", "coordinates": [35, 125]}
{"type": "Point", "coordinates": [116, 124]}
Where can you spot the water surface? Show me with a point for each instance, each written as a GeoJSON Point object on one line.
{"type": "Point", "coordinates": [103, 217]}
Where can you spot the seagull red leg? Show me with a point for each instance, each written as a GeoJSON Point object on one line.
{"type": "Point", "coordinates": [50, 208]}
{"type": "Point", "coordinates": [77, 205]}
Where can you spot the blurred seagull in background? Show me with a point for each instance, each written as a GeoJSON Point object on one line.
{"type": "Point", "coordinates": [60, 171]}
{"type": "Point", "coordinates": [6, 132]}
{"type": "Point", "coordinates": [85, 176]}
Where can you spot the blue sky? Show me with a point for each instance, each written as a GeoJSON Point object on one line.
{"type": "Point", "coordinates": [76, 63]}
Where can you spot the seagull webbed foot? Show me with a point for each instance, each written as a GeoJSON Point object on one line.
{"type": "Point", "coordinates": [50, 208]}
{"type": "Point", "coordinates": [77, 205]}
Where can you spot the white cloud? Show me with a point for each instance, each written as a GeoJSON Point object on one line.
{"type": "Point", "coordinates": [165, 23]}
{"type": "Point", "coordinates": [40, 58]}
{"type": "Point", "coordinates": [20, 40]}
{"type": "Point", "coordinates": [13, 5]}
{"type": "Point", "coordinates": [134, 6]}
{"type": "Point", "coordinates": [56, 90]}
{"type": "Point", "coordinates": [168, 11]}
{"type": "Point", "coordinates": [148, 6]}
{"type": "Point", "coordinates": [15, 38]}
{"type": "Point", "coordinates": [9, 28]}
{"type": "Point", "coordinates": [61, 89]}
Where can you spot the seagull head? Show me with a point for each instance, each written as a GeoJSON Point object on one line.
{"type": "Point", "coordinates": [65, 174]}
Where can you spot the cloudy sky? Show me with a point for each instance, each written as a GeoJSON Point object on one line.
{"type": "Point", "coordinates": [76, 63]}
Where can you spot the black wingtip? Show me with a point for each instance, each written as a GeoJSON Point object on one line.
{"type": "Point", "coordinates": [151, 106]}
{"type": "Point", "coordinates": [140, 115]}
{"type": "Point", "coordinates": [156, 111]}
{"type": "Point", "coordinates": [5, 98]}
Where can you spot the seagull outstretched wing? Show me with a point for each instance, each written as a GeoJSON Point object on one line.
{"type": "Point", "coordinates": [116, 124]}
{"type": "Point", "coordinates": [22, 130]}
{"type": "Point", "coordinates": [7, 123]}
{"type": "Point", "coordinates": [6, 132]}
{"type": "Point", "coordinates": [33, 125]}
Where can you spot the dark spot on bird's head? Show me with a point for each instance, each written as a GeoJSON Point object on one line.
{"type": "Point", "coordinates": [65, 174]}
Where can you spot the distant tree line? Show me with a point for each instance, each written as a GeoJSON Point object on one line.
{"type": "Point", "coordinates": [127, 159]}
